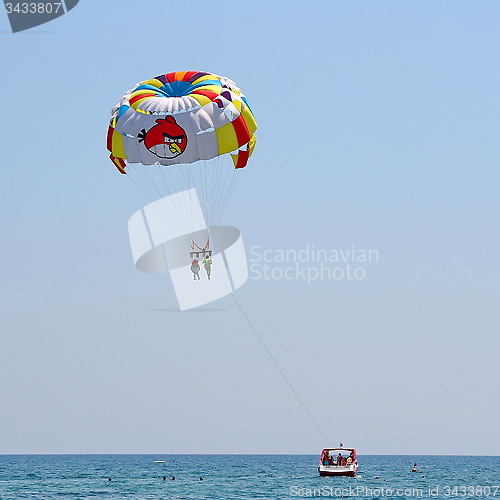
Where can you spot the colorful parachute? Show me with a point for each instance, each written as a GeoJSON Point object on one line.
{"type": "Point", "coordinates": [181, 118]}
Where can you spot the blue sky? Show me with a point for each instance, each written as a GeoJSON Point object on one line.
{"type": "Point", "coordinates": [378, 128]}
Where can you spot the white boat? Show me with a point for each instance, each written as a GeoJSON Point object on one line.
{"type": "Point", "coordinates": [338, 462]}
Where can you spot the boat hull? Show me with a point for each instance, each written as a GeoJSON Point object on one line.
{"type": "Point", "coordinates": [329, 470]}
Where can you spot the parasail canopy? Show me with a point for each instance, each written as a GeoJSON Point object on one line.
{"type": "Point", "coordinates": [181, 118]}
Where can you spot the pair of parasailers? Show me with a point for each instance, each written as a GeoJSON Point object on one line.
{"type": "Point", "coordinates": [195, 267]}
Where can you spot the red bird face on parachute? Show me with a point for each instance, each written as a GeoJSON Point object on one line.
{"type": "Point", "coordinates": [165, 140]}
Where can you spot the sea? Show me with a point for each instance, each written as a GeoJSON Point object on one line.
{"type": "Point", "coordinates": [227, 477]}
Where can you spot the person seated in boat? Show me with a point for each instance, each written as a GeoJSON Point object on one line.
{"type": "Point", "coordinates": [350, 458]}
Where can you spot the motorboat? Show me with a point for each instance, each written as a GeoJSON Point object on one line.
{"type": "Point", "coordinates": [338, 462]}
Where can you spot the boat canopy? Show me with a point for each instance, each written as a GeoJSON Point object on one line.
{"type": "Point", "coordinates": [339, 450]}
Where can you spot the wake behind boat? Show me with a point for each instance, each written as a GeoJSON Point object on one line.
{"type": "Point", "coordinates": [338, 462]}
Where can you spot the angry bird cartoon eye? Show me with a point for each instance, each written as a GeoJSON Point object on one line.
{"type": "Point", "coordinates": [172, 139]}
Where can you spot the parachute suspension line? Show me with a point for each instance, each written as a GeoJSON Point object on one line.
{"type": "Point", "coordinates": [199, 221]}
{"type": "Point", "coordinates": [196, 178]}
{"type": "Point", "coordinates": [187, 183]}
{"type": "Point", "coordinates": [135, 174]}
{"type": "Point", "coordinates": [181, 183]}
{"type": "Point", "coordinates": [220, 174]}
{"type": "Point", "coordinates": [184, 174]}
{"type": "Point", "coordinates": [280, 370]}
{"type": "Point", "coordinates": [205, 188]}
{"type": "Point", "coordinates": [223, 179]}
{"type": "Point", "coordinates": [148, 185]}
{"type": "Point", "coordinates": [226, 174]}
{"type": "Point", "coordinates": [161, 196]}
{"type": "Point", "coordinates": [187, 175]}
{"type": "Point", "coordinates": [205, 179]}
{"type": "Point", "coordinates": [213, 176]}
{"type": "Point", "coordinates": [138, 174]}
{"type": "Point", "coordinates": [209, 176]}
{"type": "Point", "coordinates": [208, 195]}
{"type": "Point", "coordinates": [144, 188]}
{"type": "Point", "coordinates": [150, 181]}
{"type": "Point", "coordinates": [219, 168]}
{"type": "Point", "coordinates": [209, 168]}
{"type": "Point", "coordinates": [208, 172]}
{"type": "Point", "coordinates": [171, 191]}
{"type": "Point", "coordinates": [235, 175]}
{"type": "Point", "coordinates": [198, 184]}
{"type": "Point", "coordinates": [190, 176]}
{"type": "Point", "coordinates": [167, 191]}
{"type": "Point", "coordinates": [234, 179]}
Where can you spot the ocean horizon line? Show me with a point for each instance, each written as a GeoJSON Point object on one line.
{"type": "Point", "coordinates": [249, 454]}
